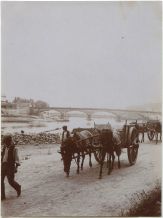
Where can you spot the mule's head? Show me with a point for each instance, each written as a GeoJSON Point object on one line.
{"type": "Point", "coordinates": [67, 151]}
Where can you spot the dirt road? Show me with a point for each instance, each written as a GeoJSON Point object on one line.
{"type": "Point", "coordinates": [47, 192]}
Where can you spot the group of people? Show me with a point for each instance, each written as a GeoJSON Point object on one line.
{"type": "Point", "coordinates": [10, 162]}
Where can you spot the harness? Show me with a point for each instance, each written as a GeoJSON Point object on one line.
{"type": "Point", "coordinates": [68, 134]}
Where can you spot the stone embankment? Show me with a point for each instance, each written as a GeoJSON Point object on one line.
{"type": "Point", "coordinates": [38, 138]}
{"type": "Point", "coordinates": [34, 139]}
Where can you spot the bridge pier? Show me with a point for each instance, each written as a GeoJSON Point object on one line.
{"type": "Point", "coordinates": [62, 116]}
{"type": "Point", "coordinates": [89, 116]}
{"type": "Point", "coordinates": [118, 118]}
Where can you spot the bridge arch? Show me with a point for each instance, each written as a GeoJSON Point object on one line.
{"type": "Point", "coordinates": [103, 114]}
{"type": "Point", "coordinates": [119, 113]}
{"type": "Point", "coordinates": [50, 113]}
{"type": "Point", "coordinates": [76, 113]}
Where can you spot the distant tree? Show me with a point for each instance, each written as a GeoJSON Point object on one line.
{"type": "Point", "coordinates": [37, 104]}
{"type": "Point", "coordinates": [22, 100]}
{"type": "Point", "coordinates": [9, 105]}
{"type": "Point", "coordinates": [41, 104]}
{"type": "Point", "coordinates": [15, 100]}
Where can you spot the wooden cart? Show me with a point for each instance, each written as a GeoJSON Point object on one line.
{"type": "Point", "coordinates": [129, 140]}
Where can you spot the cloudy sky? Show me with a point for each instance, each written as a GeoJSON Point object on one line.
{"type": "Point", "coordinates": [82, 54]}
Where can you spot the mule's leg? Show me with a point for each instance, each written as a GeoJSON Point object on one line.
{"type": "Point", "coordinates": [156, 137]}
{"type": "Point", "coordinates": [110, 164]}
{"type": "Point", "coordinates": [90, 162]}
{"type": "Point", "coordinates": [66, 168]}
{"type": "Point", "coordinates": [107, 163]}
{"type": "Point", "coordinates": [78, 161]}
{"type": "Point", "coordinates": [118, 153]}
{"type": "Point", "coordinates": [138, 140]}
{"type": "Point", "coordinates": [67, 164]}
{"type": "Point", "coordinates": [101, 163]}
{"type": "Point", "coordinates": [113, 158]}
{"type": "Point", "coordinates": [119, 163]}
{"type": "Point", "coordinates": [83, 157]}
{"type": "Point", "coordinates": [143, 137]}
{"type": "Point", "coordinates": [138, 137]}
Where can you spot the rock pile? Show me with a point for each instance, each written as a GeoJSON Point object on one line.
{"type": "Point", "coordinates": [40, 138]}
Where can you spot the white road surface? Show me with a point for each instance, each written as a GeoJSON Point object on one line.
{"type": "Point", "coordinates": [47, 192]}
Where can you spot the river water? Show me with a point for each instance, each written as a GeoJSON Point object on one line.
{"type": "Point", "coordinates": [43, 125]}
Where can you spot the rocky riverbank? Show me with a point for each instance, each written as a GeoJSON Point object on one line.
{"type": "Point", "coordinates": [34, 139]}
{"type": "Point", "coordinates": [39, 138]}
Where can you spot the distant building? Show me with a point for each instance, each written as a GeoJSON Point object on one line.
{"type": "Point", "coordinates": [15, 108]}
{"type": "Point", "coordinates": [3, 101]}
{"type": "Point", "coordinates": [21, 106]}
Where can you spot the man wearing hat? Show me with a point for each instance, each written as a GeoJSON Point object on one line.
{"type": "Point", "coordinates": [9, 164]}
{"type": "Point", "coordinates": [65, 134]}
{"type": "Point", "coordinates": [65, 152]}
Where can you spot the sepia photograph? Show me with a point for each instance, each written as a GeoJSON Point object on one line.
{"type": "Point", "coordinates": [81, 108]}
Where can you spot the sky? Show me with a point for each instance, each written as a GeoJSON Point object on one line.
{"type": "Point", "coordinates": [82, 54]}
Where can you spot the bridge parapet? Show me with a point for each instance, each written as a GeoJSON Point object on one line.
{"type": "Point", "coordinates": [118, 113]}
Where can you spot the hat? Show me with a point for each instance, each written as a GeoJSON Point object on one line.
{"type": "Point", "coordinates": [64, 127]}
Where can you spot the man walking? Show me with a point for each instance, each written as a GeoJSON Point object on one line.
{"type": "Point", "coordinates": [9, 164]}
{"type": "Point", "coordinates": [65, 150]}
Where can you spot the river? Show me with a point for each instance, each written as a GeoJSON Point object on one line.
{"type": "Point", "coordinates": [38, 126]}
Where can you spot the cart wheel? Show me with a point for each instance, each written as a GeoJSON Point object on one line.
{"type": "Point", "coordinates": [132, 152]}
{"type": "Point", "coordinates": [150, 134]}
{"type": "Point", "coordinates": [98, 155]}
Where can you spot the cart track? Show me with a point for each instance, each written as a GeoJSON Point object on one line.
{"type": "Point", "coordinates": [47, 192]}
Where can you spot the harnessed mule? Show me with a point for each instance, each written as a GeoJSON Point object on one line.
{"type": "Point", "coordinates": [142, 129]}
{"type": "Point", "coordinates": [75, 147]}
{"type": "Point", "coordinates": [158, 130]}
{"type": "Point", "coordinates": [108, 147]}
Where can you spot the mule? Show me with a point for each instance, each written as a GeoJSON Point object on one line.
{"type": "Point", "coordinates": [142, 129]}
{"type": "Point", "coordinates": [108, 147]}
{"type": "Point", "coordinates": [77, 147]}
{"type": "Point", "coordinates": [155, 127]}
{"type": "Point", "coordinates": [158, 130]}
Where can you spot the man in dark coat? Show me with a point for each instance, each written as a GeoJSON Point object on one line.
{"type": "Point", "coordinates": [9, 164]}
{"type": "Point", "coordinates": [65, 134]}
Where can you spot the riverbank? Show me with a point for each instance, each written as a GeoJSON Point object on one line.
{"type": "Point", "coordinates": [34, 138]}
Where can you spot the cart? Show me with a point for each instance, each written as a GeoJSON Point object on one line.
{"type": "Point", "coordinates": [154, 127]}
{"type": "Point", "coordinates": [129, 140]}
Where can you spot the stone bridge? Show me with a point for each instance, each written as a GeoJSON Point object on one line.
{"type": "Point", "coordinates": [117, 113]}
